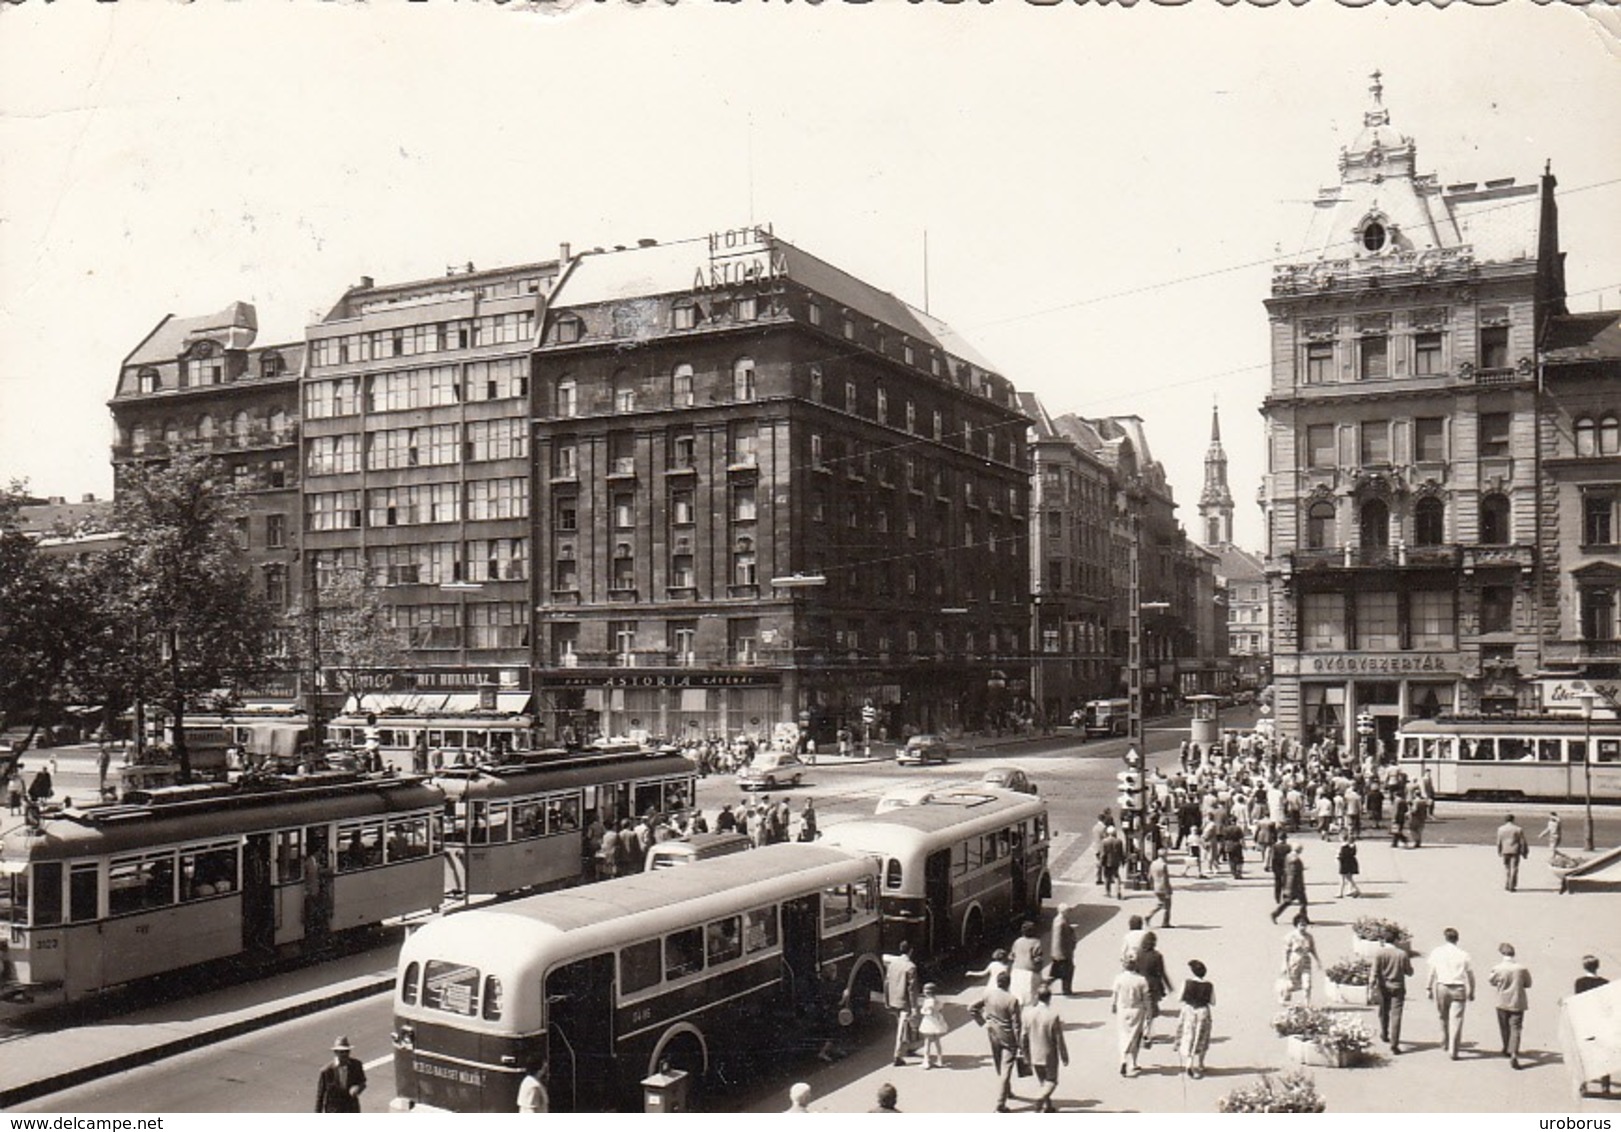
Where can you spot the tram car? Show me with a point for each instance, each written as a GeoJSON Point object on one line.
{"type": "Point", "coordinates": [177, 876]}
{"type": "Point", "coordinates": [522, 824]}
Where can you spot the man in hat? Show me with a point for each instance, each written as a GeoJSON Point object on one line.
{"type": "Point", "coordinates": [341, 1082]}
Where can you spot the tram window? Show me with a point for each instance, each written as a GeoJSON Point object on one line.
{"type": "Point", "coordinates": [479, 834]}
{"type": "Point", "coordinates": [500, 830]}
{"type": "Point", "coordinates": [675, 796]}
{"type": "Point", "coordinates": [436, 739]}
{"type": "Point", "coordinates": [451, 987]}
{"type": "Point", "coordinates": [492, 999]}
{"type": "Point", "coordinates": [1609, 750]}
{"type": "Point", "coordinates": [563, 814]}
{"type": "Point", "coordinates": [838, 906]}
{"type": "Point", "coordinates": [892, 873]}
{"type": "Point", "coordinates": [135, 884]}
{"type": "Point", "coordinates": [360, 845]}
{"type": "Point", "coordinates": [207, 872]}
{"type": "Point", "coordinates": [455, 739]}
{"type": "Point", "coordinates": [641, 965]}
{"type": "Point", "coordinates": [1511, 748]}
{"type": "Point", "coordinates": [1479, 750]}
{"type": "Point", "coordinates": [84, 891]}
{"type": "Point", "coordinates": [455, 826]}
{"type": "Point", "coordinates": [648, 796]}
{"type": "Point", "coordinates": [1433, 748]}
{"type": "Point", "coordinates": [388, 737]}
{"type": "Point", "coordinates": [1578, 750]}
{"type": "Point", "coordinates": [289, 856]}
{"type": "Point", "coordinates": [408, 984]}
{"type": "Point", "coordinates": [759, 929]}
{"type": "Point", "coordinates": [408, 838]}
{"type": "Point", "coordinates": [1550, 750]}
{"type": "Point", "coordinates": [683, 952]}
{"type": "Point", "coordinates": [723, 940]}
{"type": "Point", "coordinates": [14, 897]}
{"type": "Point", "coordinates": [864, 898]}
{"type": "Point", "coordinates": [47, 894]}
{"type": "Point", "coordinates": [528, 820]}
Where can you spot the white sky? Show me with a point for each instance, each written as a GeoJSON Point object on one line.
{"type": "Point", "coordinates": [1078, 169]}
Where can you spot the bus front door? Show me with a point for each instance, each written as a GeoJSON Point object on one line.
{"type": "Point", "coordinates": [580, 1040]}
{"type": "Point", "coordinates": [937, 902]}
{"type": "Point", "coordinates": [258, 897]}
{"type": "Point", "coordinates": [801, 939]}
{"type": "Point", "coordinates": [1021, 881]}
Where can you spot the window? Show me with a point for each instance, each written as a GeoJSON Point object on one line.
{"type": "Point", "coordinates": [1376, 622]}
{"type": "Point", "coordinates": [681, 395]}
{"type": "Point", "coordinates": [743, 563]}
{"type": "Point", "coordinates": [1322, 621]}
{"type": "Point", "coordinates": [498, 499]}
{"type": "Point", "coordinates": [275, 531]}
{"type": "Point", "coordinates": [623, 636]}
{"type": "Point", "coordinates": [1320, 447]}
{"type": "Point", "coordinates": [1319, 363]}
{"type": "Point", "coordinates": [743, 380]}
{"type": "Point", "coordinates": [814, 313]}
{"type": "Point", "coordinates": [147, 380]}
{"type": "Point", "coordinates": [723, 940]}
{"type": "Point", "coordinates": [566, 513]}
{"type": "Point", "coordinates": [816, 452]}
{"type": "Point", "coordinates": [506, 439]}
{"type": "Point", "coordinates": [569, 329]}
{"type": "Point", "coordinates": [1429, 522]}
{"type": "Point", "coordinates": [565, 460]}
{"type": "Point", "coordinates": [207, 871]}
{"type": "Point", "coordinates": [1433, 619]}
{"type": "Point", "coordinates": [1429, 440]}
{"type": "Point", "coordinates": [939, 425]}
{"type": "Point", "coordinates": [743, 503]}
{"type": "Point", "coordinates": [640, 967]}
{"type": "Point", "coordinates": [746, 309]}
{"type": "Point", "coordinates": [1494, 520]}
{"type": "Point", "coordinates": [1599, 517]}
{"type": "Point", "coordinates": [624, 510]}
{"type": "Point", "coordinates": [1374, 520]}
{"type": "Point", "coordinates": [816, 383]}
{"type": "Point", "coordinates": [1494, 347]}
{"type": "Point", "coordinates": [683, 641]}
{"type": "Point", "coordinates": [568, 398]}
{"type": "Point", "coordinates": [1496, 609]}
{"type": "Point", "coordinates": [911, 417]}
{"type": "Point", "coordinates": [1374, 358]}
{"type": "Point", "coordinates": [498, 559]}
{"type": "Point", "coordinates": [745, 445]}
{"type": "Point", "coordinates": [1494, 434]}
{"type": "Point", "coordinates": [1598, 612]}
{"type": "Point", "coordinates": [849, 396]}
{"type": "Point", "coordinates": [684, 316]}
{"type": "Point", "coordinates": [682, 512]}
{"type": "Point", "coordinates": [684, 451]}
{"type": "Point", "coordinates": [759, 930]}
{"type": "Point", "coordinates": [742, 634]}
{"type": "Point", "coordinates": [1375, 442]}
{"type": "Point", "coordinates": [1427, 354]}
{"type": "Point", "coordinates": [683, 953]}
{"type": "Point", "coordinates": [624, 389]}
{"type": "Point", "coordinates": [624, 568]}
{"type": "Point", "coordinates": [135, 884]}
{"type": "Point", "coordinates": [276, 585]}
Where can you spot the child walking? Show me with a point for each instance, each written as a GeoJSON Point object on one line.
{"type": "Point", "coordinates": [932, 1025]}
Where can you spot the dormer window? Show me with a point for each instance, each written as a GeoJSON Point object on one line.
{"type": "Point", "coordinates": [271, 365]}
{"type": "Point", "coordinates": [569, 329]}
{"type": "Point", "coordinates": [684, 316]}
{"type": "Point", "coordinates": [147, 380]}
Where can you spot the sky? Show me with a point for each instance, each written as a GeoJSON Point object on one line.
{"type": "Point", "coordinates": [1101, 190]}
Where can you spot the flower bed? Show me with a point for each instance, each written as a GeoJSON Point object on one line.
{"type": "Point", "coordinates": [1293, 1091]}
{"type": "Point", "coordinates": [1376, 931]}
{"type": "Point", "coordinates": [1348, 981]}
{"type": "Point", "coordinates": [1322, 1037]}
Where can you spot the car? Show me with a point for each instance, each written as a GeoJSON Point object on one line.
{"type": "Point", "coordinates": [921, 750]}
{"type": "Point", "coordinates": [905, 796]}
{"type": "Point", "coordinates": [1008, 778]}
{"type": "Point", "coordinates": [771, 769]}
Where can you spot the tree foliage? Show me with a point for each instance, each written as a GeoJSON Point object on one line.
{"type": "Point", "coordinates": [354, 629]}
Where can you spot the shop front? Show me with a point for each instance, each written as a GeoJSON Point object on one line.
{"type": "Point", "coordinates": [579, 705]}
{"type": "Point", "coordinates": [1336, 689]}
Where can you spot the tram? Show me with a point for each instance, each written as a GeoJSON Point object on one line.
{"type": "Point", "coordinates": [685, 968]}
{"type": "Point", "coordinates": [177, 876]}
{"type": "Point", "coordinates": [1514, 757]}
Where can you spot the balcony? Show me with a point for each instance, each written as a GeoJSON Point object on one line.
{"type": "Point", "coordinates": [1518, 556]}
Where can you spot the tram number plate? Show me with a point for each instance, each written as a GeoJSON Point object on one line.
{"type": "Point", "coordinates": [143, 929]}
{"type": "Point", "coordinates": [47, 944]}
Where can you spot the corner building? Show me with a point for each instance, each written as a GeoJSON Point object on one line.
{"type": "Point", "coordinates": [1401, 492]}
{"type": "Point", "coordinates": [768, 492]}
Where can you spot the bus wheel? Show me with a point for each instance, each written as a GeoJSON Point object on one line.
{"type": "Point", "coordinates": [686, 1053]}
{"type": "Point", "coordinates": [973, 931]}
{"type": "Point", "coordinates": [866, 992]}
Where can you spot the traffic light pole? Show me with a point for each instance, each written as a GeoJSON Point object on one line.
{"type": "Point", "coordinates": [1133, 779]}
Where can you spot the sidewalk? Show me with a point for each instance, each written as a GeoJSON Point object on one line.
{"type": "Point", "coordinates": [1225, 924]}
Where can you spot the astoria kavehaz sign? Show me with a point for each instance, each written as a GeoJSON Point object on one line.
{"type": "Point", "coordinates": [1383, 664]}
{"type": "Point", "coordinates": [739, 256]}
{"type": "Point", "coordinates": [660, 680]}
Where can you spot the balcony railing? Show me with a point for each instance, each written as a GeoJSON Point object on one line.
{"type": "Point", "coordinates": [1372, 557]}
{"type": "Point", "coordinates": [1519, 556]}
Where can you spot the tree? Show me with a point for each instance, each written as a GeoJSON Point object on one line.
{"type": "Point", "coordinates": [196, 614]}
{"type": "Point", "coordinates": [350, 628]}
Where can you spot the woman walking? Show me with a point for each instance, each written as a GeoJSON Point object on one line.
{"type": "Point", "coordinates": [1193, 1024]}
{"type": "Point", "coordinates": [1129, 1005]}
{"type": "Point", "coordinates": [1299, 952]}
{"type": "Point", "coordinates": [1348, 865]}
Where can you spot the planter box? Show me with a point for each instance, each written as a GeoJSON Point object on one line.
{"type": "Point", "coordinates": [1350, 994]}
{"type": "Point", "coordinates": [1310, 1053]}
{"type": "Point", "coordinates": [1365, 948]}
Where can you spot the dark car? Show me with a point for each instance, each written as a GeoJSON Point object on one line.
{"type": "Point", "coordinates": [922, 749]}
{"type": "Point", "coordinates": [1008, 778]}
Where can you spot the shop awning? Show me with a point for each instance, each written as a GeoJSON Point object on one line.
{"type": "Point", "coordinates": [435, 703]}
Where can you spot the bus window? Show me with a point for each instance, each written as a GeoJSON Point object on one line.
{"type": "Point", "coordinates": [563, 814]}
{"type": "Point", "coordinates": [84, 893]}
{"type": "Point", "coordinates": [1041, 827]}
{"type": "Point", "coordinates": [408, 838]}
{"type": "Point", "coordinates": [360, 845]}
{"type": "Point", "coordinates": [959, 858]}
{"type": "Point", "coordinates": [988, 848]}
{"type": "Point", "coordinates": [14, 896]}
{"type": "Point", "coordinates": [683, 952]}
{"type": "Point", "coordinates": [492, 999]}
{"type": "Point", "coordinates": [1550, 750]}
{"type": "Point", "coordinates": [289, 856]}
{"type": "Point", "coordinates": [528, 821]}
{"type": "Point", "coordinates": [451, 987]}
{"type": "Point", "coordinates": [892, 873]}
{"type": "Point", "coordinates": [135, 884]}
{"type": "Point", "coordinates": [864, 899]}
{"type": "Point", "coordinates": [976, 852]}
{"type": "Point", "coordinates": [723, 941]}
{"type": "Point", "coordinates": [640, 966]}
{"type": "Point", "coordinates": [408, 985]}
{"type": "Point", "coordinates": [1609, 750]}
{"type": "Point", "coordinates": [838, 906]}
{"type": "Point", "coordinates": [207, 871]}
{"type": "Point", "coordinates": [760, 929]}
{"type": "Point", "coordinates": [1479, 750]}
{"type": "Point", "coordinates": [47, 894]}
{"type": "Point", "coordinates": [1511, 748]}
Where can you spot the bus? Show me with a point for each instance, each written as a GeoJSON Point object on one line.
{"type": "Point", "coordinates": [1516, 757]}
{"type": "Point", "coordinates": [685, 969]}
{"type": "Point", "coordinates": [516, 825]}
{"type": "Point", "coordinates": [955, 865]}
{"type": "Point", "coordinates": [1107, 718]}
{"type": "Point", "coordinates": [185, 875]}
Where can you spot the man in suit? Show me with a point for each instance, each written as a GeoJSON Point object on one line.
{"type": "Point", "coordinates": [901, 997]}
{"type": "Point", "coordinates": [341, 1082]}
{"type": "Point", "coordinates": [998, 1011]}
{"type": "Point", "coordinates": [1294, 884]}
{"type": "Point", "coordinates": [1044, 1044]}
{"type": "Point", "coordinates": [1511, 979]}
{"type": "Point", "coordinates": [1388, 981]}
{"type": "Point", "coordinates": [1062, 970]}
{"type": "Point", "coordinates": [1511, 846]}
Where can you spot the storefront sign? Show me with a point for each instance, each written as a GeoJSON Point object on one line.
{"type": "Point", "coordinates": [1365, 664]}
{"type": "Point", "coordinates": [618, 679]}
{"type": "Point", "coordinates": [420, 679]}
{"type": "Point", "coordinates": [1564, 697]}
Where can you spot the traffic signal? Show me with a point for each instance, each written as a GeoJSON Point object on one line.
{"type": "Point", "coordinates": [1133, 758]}
{"type": "Point", "coordinates": [1131, 786]}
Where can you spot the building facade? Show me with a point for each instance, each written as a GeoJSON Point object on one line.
{"type": "Point", "coordinates": [1402, 486]}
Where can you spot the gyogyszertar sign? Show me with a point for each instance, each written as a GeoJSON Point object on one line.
{"type": "Point", "coordinates": [1353, 664]}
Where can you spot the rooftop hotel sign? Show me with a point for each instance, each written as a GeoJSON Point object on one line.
{"type": "Point", "coordinates": [740, 256]}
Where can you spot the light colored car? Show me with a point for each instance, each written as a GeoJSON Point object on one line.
{"type": "Point", "coordinates": [1009, 778]}
{"type": "Point", "coordinates": [905, 796]}
{"type": "Point", "coordinates": [921, 750]}
{"type": "Point", "coordinates": [771, 769]}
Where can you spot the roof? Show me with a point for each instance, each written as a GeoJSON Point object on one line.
{"type": "Point", "coordinates": [1594, 336]}
{"type": "Point", "coordinates": [1237, 564]}
{"type": "Point", "coordinates": [235, 328]}
{"type": "Point", "coordinates": [53, 515]}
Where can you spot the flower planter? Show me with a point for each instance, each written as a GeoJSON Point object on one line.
{"type": "Point", "coordinates": [1350, 994]}
{"type": "Point", "coordinates": [1366, 948]}
{"type": "Point", "coordinates": [1302, 1052]}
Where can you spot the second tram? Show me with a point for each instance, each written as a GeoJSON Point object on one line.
{"type": "Point", "coordinates": [1514, 757]}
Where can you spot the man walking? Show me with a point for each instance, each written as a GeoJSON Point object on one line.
{"type": "Point", "coordinates": [1112, 855]}
{"type": "Point", "coordinates": [1279, 865]}
{"type": "Point", "coordinates": [1159, 880]}
{"type": "Point", "coordinates": [1511, 980]}
{"type": "Point", "coordinates": [1554, 832]}
{"type": "Point", "coordinates": [1044, 1046]}
{"type": "Point", "coordinates": [1452, 986]}
{"type": "Point", "coordinates": [1062, 970]}
{"type": "Point", "coordinates": [1294, 885]}
{"type": "Point", "coordinates": [1511, 846]}
{"type": "Point", "coordinates": [901, 997]}
{"type": "Point", "coordinates": [341, 1082]}
{"type": "Point", "coordinates": [998, 1011]}
{"type": "Point", "coordinates": [1388, 982]}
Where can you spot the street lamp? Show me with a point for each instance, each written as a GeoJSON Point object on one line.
{"type": "Point", "coordinates": [1588, 696]}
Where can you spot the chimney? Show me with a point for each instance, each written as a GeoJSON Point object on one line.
{"type": "Point", "coordinates": [55, 499]}
{"type": "Point", "coordinates": [563, 252]}
{"type": "Point", "coordinates": [367, 282]}
{"type": "Point", "coordinates": [646, 242]}
{"type": "Point", "coordinates": [89, 497]}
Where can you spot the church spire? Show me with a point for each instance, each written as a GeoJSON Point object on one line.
{"type": "Point", "coordinates": [1216, 500]}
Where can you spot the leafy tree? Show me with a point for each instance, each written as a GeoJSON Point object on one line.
{"type": "Point", "coordinates": [197, 617]}
{"type": "Point", "coordinates": [350, 627]}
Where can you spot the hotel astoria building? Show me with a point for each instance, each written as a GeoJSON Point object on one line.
{"type": "Point", "coordinates": [1403, 495]}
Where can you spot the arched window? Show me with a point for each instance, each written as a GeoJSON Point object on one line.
{"type": "Point", "coordinates": [278, 424]}
{"type": "Point", "coordinates": [1320, 525]}
{"type": "Point", "coordinates": [171, 433]}
{"type": "Point", "coordinates": [1586, 437]}
{"type": "Point", "coordinates": [1429, 522]}
{"type": "Point", "coordinates": [1609, 435]}
{"type": "Point", "coordinates": [1494, 517]}
{"type": "Point", "coordinates": [1374, 520]}
{"type": "Point", "coordinates": [743, 380]}
{"type": "Point", "coordinates": [205, 429]}
{"type": "Point", "coordinates": [138, 438]}
{"type": "Point", "coordinates": [239, 427]}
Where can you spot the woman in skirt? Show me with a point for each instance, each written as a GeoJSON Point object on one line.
{"type": "Point", "coordinates": [1193, 1025]}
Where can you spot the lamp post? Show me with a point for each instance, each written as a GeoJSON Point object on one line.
{"type": "Point", "coordinates": [1587, 696]}
{"type": "Point", "coordinates": [796, 584]}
